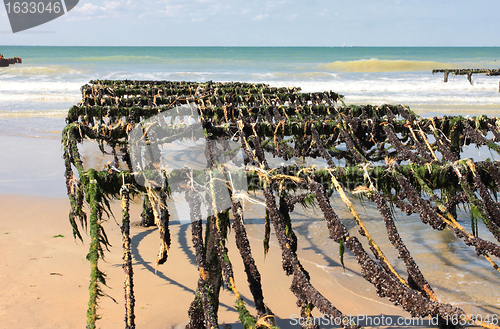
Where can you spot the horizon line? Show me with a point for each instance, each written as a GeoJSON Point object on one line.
{"type": "Point", "coordinates": [241, 46]}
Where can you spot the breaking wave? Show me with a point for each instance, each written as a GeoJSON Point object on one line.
{"type": "Point", "coordinates": [378, 65]}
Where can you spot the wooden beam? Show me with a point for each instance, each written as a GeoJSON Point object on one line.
{"type": "Point", "coordinates": [468, 72]}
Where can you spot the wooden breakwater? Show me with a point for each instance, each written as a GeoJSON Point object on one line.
{"type": "Point", "coordinates": [4, 62]}
{"type": "Point", "coordinates": [396, 159]}
{"type": "Point", "coordinates": [468, 73]}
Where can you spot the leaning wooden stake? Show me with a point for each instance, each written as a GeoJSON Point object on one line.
{"type": "Point", "coordinates": [422, 156]}
{"type": "Point", "coordinates": [127, 260]}
{"type": "Point", "coordinates": [364, 231]}
{"type": "Point", "coordinates": [95, 250]}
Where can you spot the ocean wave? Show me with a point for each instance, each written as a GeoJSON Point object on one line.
{"type": "Point", "coordinates": [41, 85]}
{"type": "Point", "coordinates": [379, 65]}
{"type": "Point", "coordinates": [425, 86]}
{"type": "Point", "coordinates": [39, 97]}
{"type": "Point", "coordinates": [34, 113]}
{"type": "Point", "coordinates": [493, 103]}
{"type": "Point", "coordinates": [293, 75]}
{"type": "Point", "coordinates": [24, 70]}
{"type": "Point", "coordinates": [125, 59]}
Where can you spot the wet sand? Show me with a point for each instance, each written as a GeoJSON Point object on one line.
{"type": "Point", "coordinates": [45, 275]}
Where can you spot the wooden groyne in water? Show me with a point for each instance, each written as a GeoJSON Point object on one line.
{"type": "Point", "coordinates": [5, 62]}
{"type": "Point", "coordinates": [468, 73]}
{"type": "Point", "coordinates": [395, 158]}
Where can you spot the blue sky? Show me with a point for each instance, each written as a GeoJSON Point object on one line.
{"type": "Point", "coordinates": [267, 23]}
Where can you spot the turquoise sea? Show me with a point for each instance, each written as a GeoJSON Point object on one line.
{"type": "Point", "coordinates": [35, 97]}
{"type": "Point", "coordinates": [47, 83]}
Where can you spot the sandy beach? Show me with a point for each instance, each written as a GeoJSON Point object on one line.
{"type": "Point", "coordinates": [44, 270]}
{"type": "Point", "coordinates": [45, 274]}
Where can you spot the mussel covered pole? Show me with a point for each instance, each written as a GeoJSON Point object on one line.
{"type": "Point", "coordinates": [127, 260]}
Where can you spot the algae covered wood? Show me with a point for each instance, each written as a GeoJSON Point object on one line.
{"type": "Point", "coordinates": [387, 153]}
{"type": "Point", "coordinates": [468, 73]}
{"type": "Point", "coordinates": [5, 62]}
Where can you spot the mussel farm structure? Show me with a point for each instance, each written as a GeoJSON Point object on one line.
{"type": "Point", "coordinates": [394, 158]}
{"type": "Point", "coordinates": [468, 73]}
{"type": "Point", "coordinates": [5, 62]}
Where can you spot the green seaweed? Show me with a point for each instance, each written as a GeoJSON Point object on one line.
{"type": "Point", "coordinates": [290, 125]}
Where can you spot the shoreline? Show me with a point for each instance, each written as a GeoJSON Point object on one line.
{"type": "Point", "coordinates": [45, 273]}
{"type": "Point", "coordinates": [34, 252]}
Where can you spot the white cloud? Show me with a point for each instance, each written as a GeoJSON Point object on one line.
{"type": "Point", "coordinates": [111, 5]}
{"type": "Point", "coordinates": [184, 10]}
{"type": "Point", "coordinates": [172, 10]}
{"type": "Point", "coordinates": [260, 17]}
{"type": "Point", "coordinates": [108, 9]}
{"type": "Point", "coordinates": [87, 9]}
